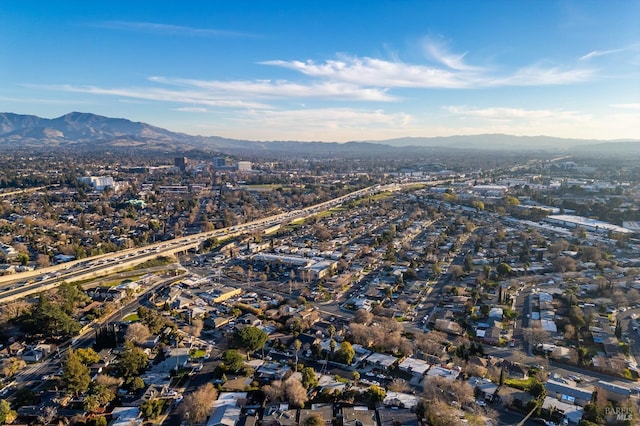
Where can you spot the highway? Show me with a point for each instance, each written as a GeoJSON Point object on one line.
{"type": "Point", "coordinates": [23, 284]}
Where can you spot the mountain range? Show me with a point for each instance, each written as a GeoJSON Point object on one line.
{"type": "Point", "coordinates": [88, 131]}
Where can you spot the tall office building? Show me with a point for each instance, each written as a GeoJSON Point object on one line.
{"type": "Point", "coordinates": [219, 163]}
{"type": "Point", "coordinates": [181, 163]}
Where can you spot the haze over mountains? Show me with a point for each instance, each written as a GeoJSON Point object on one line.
{"type": "Point", "coordinates": [91, 132]}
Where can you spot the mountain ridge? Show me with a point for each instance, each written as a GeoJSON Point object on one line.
{"type": "Point", "coordinates": [92, 131]}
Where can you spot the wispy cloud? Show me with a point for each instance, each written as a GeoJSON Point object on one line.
{"type": "Point", "coordinates": [167, 29]}
{"type": "Point", "coordinates": [377, 73]}
{"type": "Point", "coordinates": [596, 53]}
{"type": "Point", "coordinates": [540, 76]}
{"type": "Point", "coordinates": [439, 52]}
{"type": "Point", "coordinates": [42, 101]}
{"type": "Point", "coordinates": [282, 89]}
{"type": "Point", "coordinates": [191, 109]}
{"type": "Point", "coordinates": [381, 73]}
{"type": "Point", "coordinates": [626, 106]}
{"type": "Point", "coordinates": [188, 97]}
{"type": "Point", "coordinates": [313, 124]}
{"type": "Point", "coordinates": [507, 113]}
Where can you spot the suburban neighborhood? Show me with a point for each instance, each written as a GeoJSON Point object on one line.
{"type": "Point", "coordinates": [457, 297]}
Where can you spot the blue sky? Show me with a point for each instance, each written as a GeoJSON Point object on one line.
{"type": "Point", "coordinates": [330, 70]}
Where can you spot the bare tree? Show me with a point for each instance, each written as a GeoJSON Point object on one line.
{"type": "Point", "coordinates": [14, 309]}
{"type": "Point", "coordinates": [10, 366]}
{"type": "Point", "coordinates": [137, 333]}
{"type": "Point", "coordinates": [196, 327]}
{"type": "Point", "coordinates": [275, 391]}
{"type": "Point", "coordinates": [43, 260]}
{"type": "Point", "coordinates": [536, 335]}
{"type": "Point", "coordinates": [196, 406]}
{"type": "Point", "coordinates": [363, 316]}
{"type": "Point", "coordinates": [441, 389]}
{"type": "Point", "coordinates": [295, 391]}
{"type": "Point", "coordinates": [569, 331]}
{"type": "Point", "coordinates": [398, 385]}
{"type": "Point", "coordinates": [48, 415]}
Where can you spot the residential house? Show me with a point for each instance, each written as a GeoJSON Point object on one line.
{"type": "Point", "coordinates": [562, 411]}
{"type": "Point", "coordinates": [447, 326]}
{"type": "Point", "coordinates": [108, 294]}
{"type": "Point", "coordinates": [227, 409]}
{"type": "Point", "coordinates": [395, 417]}
{"type": "Point", "coordinates": [400, 399]}
{"type": "Point", "coordinates": [415, 367]}
{"type": "Point", "coordinates": [515, 370]}
{"type": "Point", "coordinates": [381, 361]}
{"type": "Point", "coordinates": [568, 392]}
{"type": "Point", "coordinates": [32, 355]}
{"type": "Point", "coordinates": [279, 415]}
{"type": "Point", "coordinates": [485, 387]}
{"type": "Point", "coordinates": [250, 319]}
{"type": "Point", "coordinates": [272, 371]}
{"type": "Point", "coordinates": [358, 416]}
{"type": "Point", "coordinates": [324, 411]}
{"type": "Point", "coordinates": [437, 371]}
{"type": "Point", "coordinates": [614, 392]}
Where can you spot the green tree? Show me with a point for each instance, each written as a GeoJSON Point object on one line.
{"type": "Point", "coordinates": [511, 201]}
{"type": "Point", "coordinates": [72, 296]}
{"type": "Point", "coordinates": [152, 408]}
{"type": "Point", "coordinates": [75, 375]}
{"type": "Point", "coordinates": [345, 354]}
{"type": "Point", "coordinates": [50, 319]}
{"type": "Point", "coordinates": [152, 319]}
{"type": "Point", "coordinates": [87, 356]}
{"type": "Point", "coordinates": [309, 379]}
{"type": "Point", "coordinates": [7, 415]}
{"type": "Point", "coordinates": [97, 421]}
{"type": "Point", "coordinates": [132, 361]}
{"type": "Point", "coordinates": [135, 384]}
{"type": "Point", "coordinates": [504, 269]}
{"type": "Point", "coordinates": [468, 263]}
{"type": "Point", "coordinates": [250, 338]}
{"type": "Point", "coordinates": [376, 393]}
{"type": "Point", "coordinates": [297, 345]}
{"type": "Point", "coordinates": [485, 309]}
{"type": "Point", "coordinates": [537, 389]}
{"type": "Point", "coordinates": [232, 360]}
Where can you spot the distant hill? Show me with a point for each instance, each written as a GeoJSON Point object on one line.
{"type": "Point", "coordinates": [94, 132]}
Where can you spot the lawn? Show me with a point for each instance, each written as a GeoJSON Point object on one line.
{"type": "Point", "coordinates": [131, 318]}
{"type": "Point", "coordinates": [522, 384]}
{"type": "Point", "coordinates": [198, 353]}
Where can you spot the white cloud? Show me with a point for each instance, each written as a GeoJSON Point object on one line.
{"type": "Point", "coordinates": [166, 29]}
{"type": "Point", "coordinates": [539, 76]}
{"type": "Point", "coordinates": [283, 89]}
{"type": "Point", "coordinates": [378, 73]}
{"type": "Point", "coordinates": [505, 113]}
{"type": "Point", "coordinates": [381, 73]}
{"type": "Point", "coordinates": [318, 124]}
{"type": "Point", "coordinates": [189, 97]}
